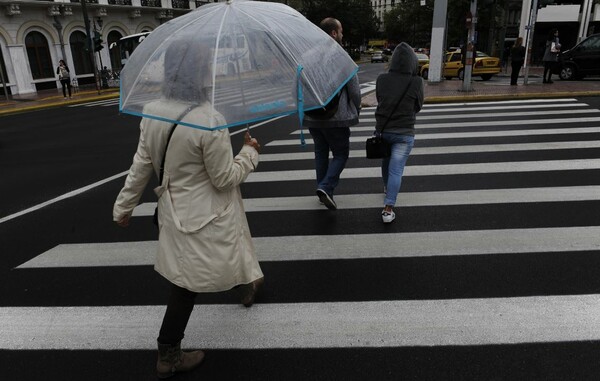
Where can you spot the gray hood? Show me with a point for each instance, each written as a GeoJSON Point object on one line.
{"type": "Point", "coordinates": [404, 60]}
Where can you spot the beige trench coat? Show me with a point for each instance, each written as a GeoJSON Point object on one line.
{"type": "Point", "coordinates": [204, 240]}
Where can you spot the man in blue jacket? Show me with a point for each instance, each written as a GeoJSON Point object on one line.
{"type": "Point", "coordinates": [332, 133]}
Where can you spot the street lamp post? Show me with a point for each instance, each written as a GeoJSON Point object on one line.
{"type": "Point", "coordinates": [530, 29]}
{"type": "Point", "coordinates": [99, 21]}
{"type": "Point", "coordinates": [90, 44]}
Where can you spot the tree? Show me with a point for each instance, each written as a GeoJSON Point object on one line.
{"type": "Point", "coordinates": [357, 17]}
{"type": "Point", "coordinates": [409, 22]}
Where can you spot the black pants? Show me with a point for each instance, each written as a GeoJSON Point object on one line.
{"type": "Point", "coordinates": [514, 74]}
{"type": "Point", "coordinates": [548, 67]}
{"type": "Point", "coordinates": [66, 84]}
{"type": "Point", "coordinates": [179, 309]}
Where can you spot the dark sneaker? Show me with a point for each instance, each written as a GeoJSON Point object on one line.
{"type": "Point", "coordinates": [326, 199]}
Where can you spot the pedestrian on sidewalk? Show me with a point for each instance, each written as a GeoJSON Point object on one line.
{"type": "Point", "coordinates": [330, 128]}
{"type": "Point", "coordinates": [400, 96]}
{"type": "Point", "coordinates": [204, 242]}
{"type": "Point", "coordinates": [64, 75]}
{"type": "Point", "coordinates": [551, 55]}
{"type": "Point", "coordinates": [517, 54]}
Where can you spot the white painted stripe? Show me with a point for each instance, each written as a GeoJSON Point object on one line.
{"type": "Point", "coordinates": [504, 115]}
{"type": "Point", "coordinates": [365, 111]}
{"type": "Point", "coordinates": [423, 116]}
{"type": "Point", "coordinates": [459, 105]}
{"type": "Point", "coordinates": [512, 108]}
{"type": "Point", "coordinates": [96, 103]}
{"type": "Point", "coordinates": [455, 135]}
{"type": "Point", "coordinates": [431, 170]}
{"type": "Point", "coordinates": [487, 123]}
{"type": "Point", "coordinates": [409, 199]}
{"type": "Point", "coordinates": [448, 150]}
{"type": "Point", "coordinates": [377, 324]}
{"type": "Point", "coordinates": [63, 197]}
{"type": "Point", "coordinates": [355, 246]}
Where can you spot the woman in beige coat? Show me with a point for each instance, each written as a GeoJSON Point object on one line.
{"type": "Point", "coordinates": [204, 240]}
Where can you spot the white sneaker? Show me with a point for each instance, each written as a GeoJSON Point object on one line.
{"type": "Point", "coordinates": [388, 217]}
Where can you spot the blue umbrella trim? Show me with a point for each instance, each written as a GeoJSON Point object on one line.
{"type": "Point", "coordinates": [300, 111]}
{"type": "Point", "coordinates": [300, 104]}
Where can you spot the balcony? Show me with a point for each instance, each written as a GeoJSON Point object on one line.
{"type": "Point", "coordinates": [151, 3]}
{"type": "Point", "coordinates": [87, 1]}
{"type": "Point", "coordinates": [119, 2]}
{"type": "Point", "coordinates": [181, 4]}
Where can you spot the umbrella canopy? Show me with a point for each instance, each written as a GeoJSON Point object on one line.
{"type": "Point", "coordinates": [251, 60]}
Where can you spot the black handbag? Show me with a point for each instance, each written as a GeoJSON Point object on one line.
{"type": "Point", "coordinates": [377, 147]}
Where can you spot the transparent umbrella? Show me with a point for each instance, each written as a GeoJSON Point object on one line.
{"type": "Point", "coordinates": [251, 60]}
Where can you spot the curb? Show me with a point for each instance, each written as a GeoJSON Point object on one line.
{"type": "Point", "coordinates": [500, 97]}
{"type": "Point", "coordinates": [59, 103]}
{"type": "Point", "coordinates": [369, 101]}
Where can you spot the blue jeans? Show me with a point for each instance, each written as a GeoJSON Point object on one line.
{"type": "Point", "coordinates": [392, 167]}
{"type": "Point", "coordinates": [336, 139]}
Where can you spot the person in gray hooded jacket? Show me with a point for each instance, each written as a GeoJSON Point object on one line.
{"type": "Point", "coordinates": [400, 96]}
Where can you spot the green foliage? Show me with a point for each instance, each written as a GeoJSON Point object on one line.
{"type": "Point", "coordinates": [409, 22]}
{"type": "Point", "coordinates": [357, 17]}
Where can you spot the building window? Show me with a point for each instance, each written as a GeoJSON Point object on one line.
{"type": "Point", "coordinates": [115, 51]}
{"type": "Point", "coordinates": [39, 56]}
{"type": "Point", "coordinates": [81, 59]}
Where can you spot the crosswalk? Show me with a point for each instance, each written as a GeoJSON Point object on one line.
{"type": "Point", "coordinates": [229, 98]}
{"type": "Point", "coordinates": [493, 194]}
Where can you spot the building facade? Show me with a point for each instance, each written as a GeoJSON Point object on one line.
{"type": "Point", "coordinates": [35, 35]}
{"type": "Point", "coordinates": [575, 20]}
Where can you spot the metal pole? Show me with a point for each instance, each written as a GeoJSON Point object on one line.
{"type": "Point", "coordinates": [99, 54]}
{"type": "Point", "coordinates": [530, 29]}
{"type": "Point", "coordinates": [90, 44]}
{"type": "Point", "coordinates": [59, 27]}
{"type": "Point", "coordinates": [585, 19]}
{"type": "Point", "coordinates": [4, 87]}
{"type": "Point", "coordinates": [470, 53]}
{"type": "Point", "coordinates": [438, 38]}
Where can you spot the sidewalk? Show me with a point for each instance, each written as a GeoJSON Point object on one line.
{"type": "Point", "coordinates": [499, 89]}
{"type": "Point", "coordinates": [51, 98]}
{"type": "Point", "coordinates": [444, 91]}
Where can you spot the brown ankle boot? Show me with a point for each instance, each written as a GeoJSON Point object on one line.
{"type": "Point", "coordinates": [172, 359]}
{"type": "Point", "coordinates": [248, 291]}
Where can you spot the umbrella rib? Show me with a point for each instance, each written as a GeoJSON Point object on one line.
{"type": "Point", "coordinates": [294, 59]}
{"type": "Point", "coordinates": [164, 41]}
{"type": "Point", "coordinates": [214, 73]}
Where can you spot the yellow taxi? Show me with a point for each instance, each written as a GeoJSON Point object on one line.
{"type": "Point", "coordinates": [484, 67]}
{"type": "Point", "coordinates": [423, 60]}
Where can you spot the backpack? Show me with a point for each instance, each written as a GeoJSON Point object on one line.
{"type": "Point", "coordinates": [327, 111]}
{"type": "Point", "coordinates": [64, 74]}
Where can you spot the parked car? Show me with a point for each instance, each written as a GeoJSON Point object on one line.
{"type": "Point", "coordinates": [423, 60]}
{"type": "Point", "coordinates": [581, 60]}
{"type": "Point", "coordinates": [485, 66]}
{"type": "Point", "coordinates": [379, 57]}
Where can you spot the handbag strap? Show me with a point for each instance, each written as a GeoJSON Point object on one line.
{"type": "Point", "coordinates": [395, 107]}
{"type": "Point", "coordinates": [162, 163]}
